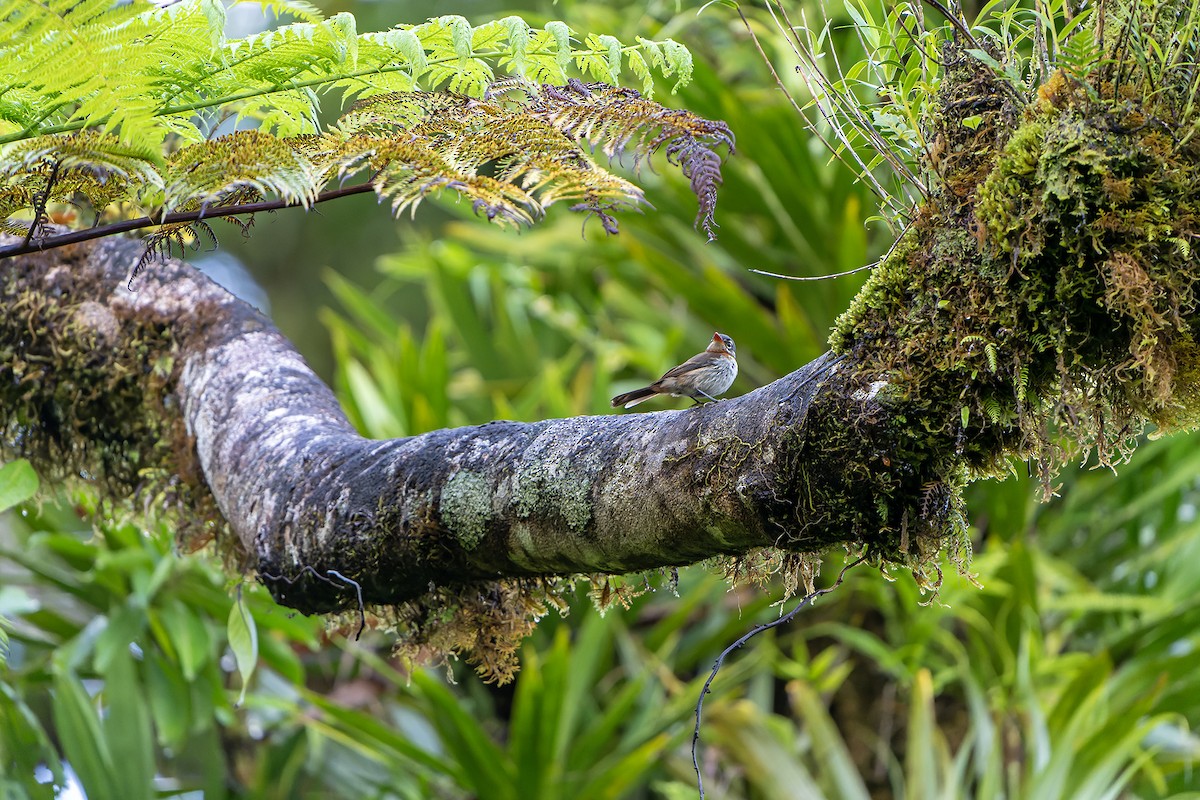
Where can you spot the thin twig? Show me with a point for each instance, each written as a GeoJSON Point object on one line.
{"type": "Point", "coordinates": [859, 167]}
{"type": "Point", "coordinates": [757, 629]}
{"type": "Point", "coordinates": [872, 265]}
{"type": "Point", "coordinates": [833, 103]}
{"type": "Point", "coordinates": [124, 226]}
{"type": "Point", "coordinates": [39, 211]}
{"type": "Point", "coordinates": [958, 24]}
{"type": "Point", "coordinates": [362, 614]}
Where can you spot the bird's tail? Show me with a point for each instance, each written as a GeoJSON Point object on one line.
{"type": "Point", "coordinates": [631, 399]}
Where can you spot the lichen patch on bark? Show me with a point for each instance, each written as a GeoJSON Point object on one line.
{"type": "Point", "coordinates": [466, 507]}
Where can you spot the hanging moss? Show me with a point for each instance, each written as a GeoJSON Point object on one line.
{"type": "Point", "coordinates": [85, 410]}
{"type": "Point", "coordinates": [1048, 289]}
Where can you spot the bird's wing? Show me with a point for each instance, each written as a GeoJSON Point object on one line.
{"type": "Point", "coordinates": [692, 364]}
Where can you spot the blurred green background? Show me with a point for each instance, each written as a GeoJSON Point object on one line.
{"type": "Point", "coordinates": [1066, 667]}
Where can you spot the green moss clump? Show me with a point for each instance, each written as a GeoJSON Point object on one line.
{"type": "Point", "coordinates": [1044, 294]}
{"type": "Point", "coordinates": [88, 397]}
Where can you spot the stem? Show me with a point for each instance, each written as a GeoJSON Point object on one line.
{"type": "Point", "coordinates": [124, 226]}
{"type": "Point", "coordinates": [258, 92]}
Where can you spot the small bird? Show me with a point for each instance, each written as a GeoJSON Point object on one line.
{"type": "Point", "coordinates": [706, 374]}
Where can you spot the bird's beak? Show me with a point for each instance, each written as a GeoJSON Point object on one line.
{"type": "Point", "coordinates": [717, 338]}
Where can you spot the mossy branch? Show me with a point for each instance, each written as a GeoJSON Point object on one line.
{"type": "Point", "coordinates": [1044, 296]}
{"type": "Point", "coordinates": [180, 396]}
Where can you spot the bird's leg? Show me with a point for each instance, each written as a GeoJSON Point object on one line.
{"type": "Point", "coordinates": [706, 394]}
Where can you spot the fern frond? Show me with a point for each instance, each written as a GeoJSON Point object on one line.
{"type": "Point", "coordinates": [14, 198]}
{"type": "Point", "coordinates": [95, 64]}
{"type": "Point", "coordinates": [420, 141]}
{"type": "Point", "coordinates": [993, 356]}
{"type": "Point", "coordinates": [994, 411]}
{"type": "Point", "coordinates": [618, 120]}
{"type": "Point", "coordinates": [58, 168]}
{"type": "Point", "coordinates": [412, 171]}
{"type": "Point", "coordinates": [512, 154]}
{"type": "Point", "coordinates": [179, 235]}
{"type": "Point", "coordinates": [105, 157]}
{"type": "Point", "coordinates": [126, 124]}
{"type": "Point", "coordinates": [305, 12]}
{"type": "Point", "coordinates": [217, 172]}
{"type": "Point", "coordinates": [146, 72]}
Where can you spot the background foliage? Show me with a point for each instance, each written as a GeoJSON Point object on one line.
{"type": "Point", "coordinates": [1064, 670]}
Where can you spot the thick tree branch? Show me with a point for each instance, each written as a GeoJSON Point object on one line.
{"type": "Point", "coordinates": [1045, 296]}
{"type": "Point", "coordinates": [306, 496]}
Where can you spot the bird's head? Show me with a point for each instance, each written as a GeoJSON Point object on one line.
{"type": "Point", "coordinates": [722, 344]}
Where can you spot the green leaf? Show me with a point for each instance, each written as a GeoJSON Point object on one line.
{"type": "Point", "coordinates": [726, 3]}
{"type": "Point", "coordinates": [24, 744]}
{"type": "Point", "coordinates": [84, 745]}
{"type": "Point", "coordinates": [381, 418]}
{"type": "Point", "coordinates": [18, 483]}
{"type": "Point", "coordinates": [125, 624]}
{"type": "Point", "coordinates": [518, 33]}
{"type": "Point", "coordinates": [460, 34]}
{"type": "Point", "coordinates": [561, 34]}
{"type": "Point", "coordinates": [170, 700]}
{"type": "Point", "coordinates": [485, 768]}
{"type": "Point", "coordinates": [639, 67]}
{"type": "Point", "coordinates": [407, 43]}
{"type": "Point", "coordinates": [243, 641]}
{"type": "Point", "coordinates": [613, 49]}
{"type": "Point", "coordinates": [679, 63]}
{"type": "Point", "coordinates": [829, 745]}
{"type": "Point", "coordinates": [921, 770]}
{"type": "Point", "coordinates": [186, 636]}
{"type": "Point", "coordinates": [127, 728]}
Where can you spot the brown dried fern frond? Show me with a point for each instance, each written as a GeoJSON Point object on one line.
{"type": "Point", "coordinates": [620, 120]}
{"type": "Point", "coordinates": [89, 166]}
{"type": "Point", "coordinates": [509, 162]}
{"type": "Point", "coordinates": [211, 173]}
{"type": "Point", "coordinates": [534, 134]}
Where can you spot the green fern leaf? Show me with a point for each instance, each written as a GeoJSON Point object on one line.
{"type": "Point", "coordinates": [517, 33]}
{"type": "Point", "coordinates": [641, 70]}
{"type": "Point", "coordinates": [670, 58]}
{"type": "Point", "coordinates": [544, 58]}
{"type": "Point", "coordinates": [560, 33]}
{"type": "Point", "coordinates": [613, 50]}
{"type": "Point", "coordinates": [460, 35]}
{"type": "Point", "coordinates": [305, 12]}
{"type": "Point", "coordinates": [448, 41]}
{"type": "Point", "coordinates": [596, 59]}
{"type": "Point", "coordinates": [678, 62]}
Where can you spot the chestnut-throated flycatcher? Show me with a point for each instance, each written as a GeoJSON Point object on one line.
{"type": "Point", "coordinates": [706, 374]}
